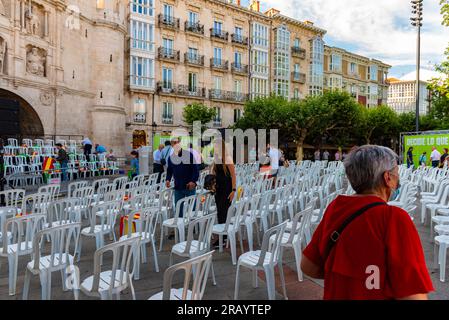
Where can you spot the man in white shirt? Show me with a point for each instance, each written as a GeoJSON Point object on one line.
{"type": "Point", "coordinates": [157, 166]}
{"type": "Point", "coordinates": [274, 155]}
{"type": "Point", "coordinates": [317, 155]}
{"type": "Point", "coordinates": [435, 157]}
{"type": "Point", "coordinates": [196, 154]}
{"type": "Point", "coordinates": [326, 155]}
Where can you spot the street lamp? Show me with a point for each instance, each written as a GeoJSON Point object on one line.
{"type": "Point", "coordinates": [417, 6]}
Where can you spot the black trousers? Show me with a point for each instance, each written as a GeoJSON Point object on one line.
{"type": "Point", "coordinates": [87, 150]}
{"type": "Point", "coordinates": [435, 163]}
{"type": "Point", "coordinates": [158, 168]}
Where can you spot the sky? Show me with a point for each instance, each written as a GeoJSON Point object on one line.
{"type": "Point", "coordinates": [378, 29]}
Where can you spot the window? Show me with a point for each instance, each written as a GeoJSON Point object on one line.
{"type": "Point", "coordinates": [142, 35]}
{"type": "Point", "coordinates": [283, 39]}
{"type": "Point", "coordinates": [296, 94]}
{"type": "Point", "coordinates": [142, 72]}
{"type": "Point", "coordinates": [237, 115]}
{"type": "Point", "coordinates": [167, 112]}
{"type": "Point", "coordinates": [238, 33]}
{"type": "Point", "coordinates": [168, 11]}
{"type": "Point", "coordinates": [167, 45]}
{"type": "Point", "coordinates": [259, 63]}
{"type": "Point", "coordinates": [139, 106]}
{"type": "Point", "coordinates": [238, 86]}
{"type": "Point", "coordinates": [217, 118]}
{"type": "Point", "coordinates": [193, 18]}
{"type": "Point", "coordinates": [372, 73]}
{"type": "Point", "coordinates": [167, 78]}
{"type": "Point", "coordinates": [217, 55]}
{"type": "Point", "coordinates": [260, 35]}
{"type": "Point", "coordinates": [297, 43]}
{"type": "Point", "coordinates": [353, 68]}
{"type": "Point", "coordinates": [192, 82]}
{"type": "Point", "coordinates": [238, 59]}
{"type": "Point", "coordinates": [296, 68]}
{"type": "Point", "coordinates": [335, 63]}
{"type": "Point", "coordinates": [218, 26]}
{"type": "Point", "coordinates": [193, 54]}
{"type": "Point", "coordinates": [143, 7]}
{"type": "Point", "coordinates": [218, 81]}
{"type": "Point", "coordinates": [316, 74]}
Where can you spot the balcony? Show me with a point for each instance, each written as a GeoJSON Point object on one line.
{"type": "Point", "coordinates": [239, 39]}
{"type": "Point", "coordinates": [239, 68]}
{"type": "Point", "coordinates": [299, 52]}
{"type": "Point", "coordinates": [219, 34]}
{"type": "Point", "coordinates": [230, 96]}
{"type": "Point", "coordinates": [219, 64]}
{"type": "Point", "coordinates": [141, 83]}
{"type": "Point", "coordinates": [168, 54]}
{"type": "Point", "coordinates": [299, 77]}
{"type": "Point", "coordinates": [169, 88]}
{"type": "Point", "coordinates": [217, 122]}
{"type": "Point", "coordinates": [354, 75]}
{"type": "Point", "coordinates": [194, 27]}
{"type": "Point", "coordinates": [168, 22]}
{"type": "Point", "coordinates": [140, 117]}
{"type": "Point", "coordinates": [167, 119]}
{"type": "Point", "coordinates": [194, 59]}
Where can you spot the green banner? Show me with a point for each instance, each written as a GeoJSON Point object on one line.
{"type": "Point", "coordinates": [424, 143]}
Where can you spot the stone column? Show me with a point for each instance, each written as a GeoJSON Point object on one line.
{"type": "Point", "coordinates": [46, 29]}
{"type": "Point", "coordinates": [22, 14]}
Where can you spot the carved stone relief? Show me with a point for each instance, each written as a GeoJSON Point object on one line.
{"type": "Point", "coordinates": [36, 61]}
{"type": "Point", "coordinates": [3, 48]}
{"type": "Point", "coordinates": [46, 98]}
{"type": "Point", "coordinates": [34, 20]}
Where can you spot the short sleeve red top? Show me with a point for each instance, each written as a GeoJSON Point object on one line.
{"type": "Point", "coordinates": [384, 237]}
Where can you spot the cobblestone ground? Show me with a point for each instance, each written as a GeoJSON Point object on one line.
{"type": "Point", "coordinates": [150, 282]}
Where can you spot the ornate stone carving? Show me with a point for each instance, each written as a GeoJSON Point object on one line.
{"type": "Point", "coordinates": [33, 23]}
{"type": "Point", "coordinates": [2, 8]}
{"type": "Point", "coordinates": [46, 98]}
{"type": "Point", "coordinates": [36, 59]}
{"type": "Point", "coordinates": [2, 54]}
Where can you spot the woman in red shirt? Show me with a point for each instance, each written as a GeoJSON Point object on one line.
{"type": "Point", "coordinates": [378, 255]}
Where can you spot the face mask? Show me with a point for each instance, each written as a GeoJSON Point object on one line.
{"type": "Point", "coordinates": [395, 192]}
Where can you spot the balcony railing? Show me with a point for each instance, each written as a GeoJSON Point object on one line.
{"type": "Point", "coordinates": [239, 39]}
{"type": "Point", "coordinates": [299, 52]}
{"type": "Point", "coordinates": [168, 21]}
{"type": "Point", "coordinates": [216, 94]}
{"type": "Point", "coordinates": [219, 64]}
{"type": "Point", "coordinates": [140, 117]}
{"type": "Point", "coordinates": [299, 77]}
{"type": "Point", "coordinates": [354, 75]}
{"type": "Point", "coordinates": [141, 83]}
{"type": "Point", "coordinates": [194, 27]}
{"type": "Point", "coordinates": [180, 90]}
{"type": "Point", "coordinates": [167, 119]}
{"type": "Point", "coordinates": [194, 59]}
{"type": "Point", "coordinates": [239, 68]}
{"type": "Point", "coordinates": [219, 34]}
{"type": "Point", "coordinates": [168, 54]}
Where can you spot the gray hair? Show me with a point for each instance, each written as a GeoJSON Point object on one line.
{"type": "Point", "coordinates": [366, 165]}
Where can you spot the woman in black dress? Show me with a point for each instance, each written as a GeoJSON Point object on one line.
{"type": "Point", "coordinates": [224, 171]}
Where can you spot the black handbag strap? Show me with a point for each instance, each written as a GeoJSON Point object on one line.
{"type": "Point", "coordinates": [337, 233]}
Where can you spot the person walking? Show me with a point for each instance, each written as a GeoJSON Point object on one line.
{"type": "Point", "coordinates": [87, 147]}
{"type": "Point", "coordinates": [443, 157]}
{"type": "Point", "coordinates": [410, 157]}
{"type": "Point", "coordinates": [182, 167]}
{"type": "Point", "coordinates": [226, 181]}
{"type": "Point", "coordinates": [423, 159]}
{"type": "Point", "coordinates": [157, 166]}
{"type": "Point", "coordinates": [435, 157]}
{"type": "Point", "coordinates": [359, 248]}
{"type": "Point", "coordinates": [63, 159]}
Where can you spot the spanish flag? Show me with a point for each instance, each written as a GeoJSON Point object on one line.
{"type": "Point", "coordinates": [48, 164]}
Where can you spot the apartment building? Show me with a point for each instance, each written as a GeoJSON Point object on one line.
{"type": "Point", "coordinates": [298, 56]}
{"type": "Point", "coordinates": [364, 78]}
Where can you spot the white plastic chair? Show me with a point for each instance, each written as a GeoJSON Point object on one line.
{"type": "Point", "coordinates": [22, 230]}
{"type": "Point", "coordinates": [199, 267]}
{"type": "Point", "coordinates": [12, 199]}
{"type": "Point", "coordinates": [74, 186]}
{"type": "Point", "coordinates": [36, 203]}
{"type": "Point", "coordinates": [63, 211]}
{"type": "Point", "coordinates": [58, 257]}
{"type": "Point", "coordinates": [105, 284]}
{"type": "Point", "coordinates": [265, 259]}
{"type": "Point", "coordinates": [53, 189]}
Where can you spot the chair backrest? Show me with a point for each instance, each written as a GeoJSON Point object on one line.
{"type": "Point", "coordinates": [63, 245]}
{"type": "Point", "coordinates": [147, 219]}
{"type": "Point", "coordinates": [104, 189]}
{"type": "Point", "coordinates": [12, 197]}
{"type": "Point", "coordinates": [302, 219]}
{"type": "Point", "coordinates": [36, 203]}
{"type": "Point", "coordinates": [76, 185]}
{"type": "Point", "coordinates": [85, 194]}
{"type": "Point", "coordinates": [120, 182]}
{"type": "Point", "coordinates": [53, 189]}
{"type": "Point", "coordinates": [234, 214]}
{"type": "Point", "coordinates": [200, 266]}
{"type": "Point", "coordinates": [139, 179]}
{"type": "Point", "coordinates": [184, 208]}
{"type": "Point", "coordinates": [274, 247]}
{"type": "Point", "coordinates": [107, 221]}
{"type": "Point", "coordinates": [200, 230]}
{"type": "Point", "coordinates": [64, 211]}
{"type": "Point", "coordinates": [22, 230]}
{"type": "Point", "coordinates": [122, 252]}
{"type": "Point", "coordinates": [100, 182]}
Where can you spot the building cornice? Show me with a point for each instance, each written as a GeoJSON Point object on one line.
{"type": "Point", "coordinates": [240, 9]}
{"type": "Point", "coordinates": [300, 24]}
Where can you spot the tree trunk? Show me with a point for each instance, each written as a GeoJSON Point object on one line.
{"type": "Point", "coordinates": [299, 152]}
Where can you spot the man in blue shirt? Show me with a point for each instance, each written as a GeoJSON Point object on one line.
{"type": "Point", "coordinates": [183, 168]}
{"type": "Point", "coordinates": [100, 149]}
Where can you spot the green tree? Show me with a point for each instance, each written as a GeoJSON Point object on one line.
{"type": "Point", "coordinates": [198, 112]}
{"type": "Point", "coordinates": [378, 125]}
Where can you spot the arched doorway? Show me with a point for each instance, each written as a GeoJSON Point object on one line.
{"type": "Point", "coordinates": [18, 118]}
{"type": "Point", "coordinates": [139, 138]}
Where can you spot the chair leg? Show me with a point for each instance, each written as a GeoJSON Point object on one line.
{"type": "Point", "coordinates": [156, 264]}
{"type": "Point", "coordinates": [281, 274]}
{"type": "Point", "coordinates": [79, 248]}
{"type": "Point", "coordinates": [131, 286]}
{"type": "Point", "coordinates": [162, 238]}
{"type": "Point", "coordinates": [249, 231]}
{"type": "Point", "coordinates": [297, 251]}
{"type": "Point", "coordinates": [44, 283]}
{"type": "Point", "coordinates": [12, 261]}
{"type": "Point", "coordinates": [435, 256]}
{"type": "Point", "coordinates": [237, 283]}
{"type": "Point", "coordinates": [442, 261]}
{"type": "Point", "coordinates": [269, 275]}
{"type": "Point", "coordinates": [231, 238]}
{"type": "Point", "coordinates": [26, 285]}
{"type": "Point", "coordinates": [220, 243]}
{"type": "Point", "coordinates": [255, 279]}
{"type": "Point", "coordinates": [170, 259]}
{"type": "Point", "coordinates": [213, 274]}
{"type": "Point", "coordinates": [64, 279]}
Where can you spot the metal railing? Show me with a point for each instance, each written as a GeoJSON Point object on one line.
{"type": "Point", "coordinates": [219, 64]}
{"type": "Point", "coordinates": [168, 21]}
{"type": "Point", "coordinates": [181, 89]}
{"type": "Point", "coordinates": [168, 54]}
{"type": "Point", "coordinates": [299, 52]}
{"type": "Point", "coordinates": [219, 34]}
{"type": "Point", "coordinates": [239, 68]}
{"type": "Point", "coordinates": [194, 27]}
{"type": "Point", "coordinates": [239, 39]}
{"type": "Point", "coordinates": [194, 59]}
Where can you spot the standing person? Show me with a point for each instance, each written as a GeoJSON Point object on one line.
{"type": "Point", "coordinates": [410, 157]}
{"type": "Point", "coordinates": [134, 163]}
{"type": "Point", "coordinates": [63, 160]}
{"type": "Point", "coordinates": [362, 233]}
{"type": "Point", "coordinates": [252, 156]}
{"type": "Point", "coordinates": [166, 153]}
{"type": "Point", "coordinates": [157, 166]}
{"type": "Point", "coordinates": [337, 155]}
{"type": "Point", "coordinates": [100, 149]}
{"type": "Point", "coordinates": [226, 181]}
{"type": "Point", "coordinates": [182, 167]}
{"type": "Point", "coordinates": [196, 156]}
{"type": "Point", "coordinates": [87, 147]}
{"type": "Point", "coordinates": [275, 155]}
{"type": "Point", "coordinates": [443, 157]}
{"type": "Point", "coordinates": [317, 155]}
{"type": "Point", "coordinates": [423, 159]}
{"type": "Point", "coordinates": [326, 155]}
{"type": "Point", "coordinates": [435, 157]}
{"type": "Point", "coordinates": [344, 156]}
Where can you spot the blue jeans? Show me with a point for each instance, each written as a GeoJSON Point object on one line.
{"type": "Point", "coordinates": [180, 194]}
{"type": "Point", "coordinates": [64, 170]}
